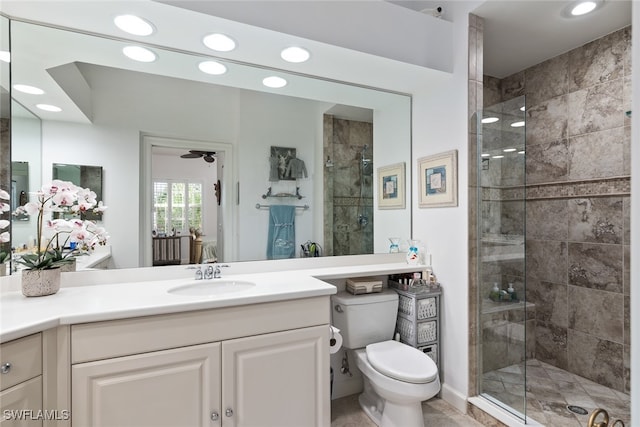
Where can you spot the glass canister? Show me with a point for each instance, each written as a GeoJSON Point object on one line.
{"type": "Point", "coordinates": [394, 248]}
{"type": "Point", "coordinates": [413, 255]}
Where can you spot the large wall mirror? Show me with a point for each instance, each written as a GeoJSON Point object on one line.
{"type": "Point", "coordinates": [137, 120]}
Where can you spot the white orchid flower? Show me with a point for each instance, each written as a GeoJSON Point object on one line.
{"type": "Point", "coordinates": [5, 237]}
{"type": "Point", "coordinates": [4, 195]}
{"type": "Point", "coordinates": [4, 224]}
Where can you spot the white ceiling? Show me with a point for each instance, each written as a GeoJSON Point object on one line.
{"type": "Point", "coordinates": [522, 33]}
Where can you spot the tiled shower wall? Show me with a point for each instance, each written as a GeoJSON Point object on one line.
{"type": "Point", "coordinates": [343, 143]}
{"type": "Point", "coordinates": [578, 202]}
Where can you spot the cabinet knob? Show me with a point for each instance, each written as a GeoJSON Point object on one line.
{"type": "Point", "coordinates": [5, 368]}
{"type": "Point", "coordinates": [215, 416]}
{"type": "Point", "coordinates": [228, 412]}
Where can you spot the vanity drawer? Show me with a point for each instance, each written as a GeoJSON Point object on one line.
{"type": "Point", "coordinates": [20, 360]}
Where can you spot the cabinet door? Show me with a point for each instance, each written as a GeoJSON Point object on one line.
{"type": "Point", "coordinates": [277, 380]}
{"type": "Point", "coordinates": [21, 405]}
{"type": "Point", "coordinates": [178, 387]}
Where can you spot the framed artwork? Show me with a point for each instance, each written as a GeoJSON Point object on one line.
{"type": "Point", "coordinates": [279, 162]}
{"type": "Point", "coordinates": [391, 186]}
{"type": "Point", "coordinates": [438, 180]}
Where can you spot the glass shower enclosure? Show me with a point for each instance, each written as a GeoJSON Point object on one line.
{"type": "Point", "coordinates": [504, 325]}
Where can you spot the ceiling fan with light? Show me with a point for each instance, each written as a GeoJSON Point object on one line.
{"type": "Point", "coordinates": [209, 156]}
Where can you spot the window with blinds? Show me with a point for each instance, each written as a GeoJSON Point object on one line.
{"type": "Point", "coordinates": [177, 206]}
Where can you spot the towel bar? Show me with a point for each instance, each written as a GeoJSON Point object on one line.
{"type": "Point", "coordinates": [304, 207]}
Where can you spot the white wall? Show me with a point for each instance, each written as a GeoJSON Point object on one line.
{"type": "Point", "coordinates": [27, 131]}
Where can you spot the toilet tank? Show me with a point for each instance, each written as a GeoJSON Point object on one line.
{"type": "Point", "coordinates": [366, 318]}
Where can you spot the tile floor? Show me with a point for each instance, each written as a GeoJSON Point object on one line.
{"type": "Point", "coordinates": [346, 412]}
{"type": "Point", "coordinates": [548, 392]}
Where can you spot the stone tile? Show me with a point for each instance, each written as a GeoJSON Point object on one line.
{"type": "Point", "coordinates": [547, 80]}
{"type": "Point", "coordinates": [596, 359]}
{"type": "Point", "coordinates": [513, 86]}
{"type": "Point", "coordinates": [627, 93]}
{"type": "Point", "coordinates": [512, 219]}
{"type": "Point", "coordinates": [626, 265]}
{"type": "Point", "coordinates": [547, 162]}
{"type": "Point", "coordinates": [596, 266]}
{"type": "Point", "coordinates": [550, 300]}
{"type": "Point", "coordinates": [596, 108]}
{"type": "Point", "coordinates": [492, 91]}
{"type": "Point", "coordinates": [626, 212]}
{"type": "Point", "coordinates": [551, 344]}
{"type": "Point", "coordinates": [437, 412]}
{"type": "Point", "coordinates": [627, 368]}
{"type": "Point", "coordinates": [586, 313]}
{"type": "Point", "coordinates": [547, 260]}
{"type": "Point", "coordinates": [548, 121]}
{"type": "Point", "coordinates": [595, 220]}
{"type": "Point", "coordinates": [547, 219]}
{"type": "Point", "coordinates": [626, 151]}
{"type": "Point", "coordinates": [599, 61]}
{"type": "Point", "coordinates": [626, 63]}
{"type": "Point", "coordinates": [596, 154]}
{"type": "Point", "coordinates": [627, 319]}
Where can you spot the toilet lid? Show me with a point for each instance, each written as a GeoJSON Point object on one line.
{"type": "Point", "coordinates": [402, 362]}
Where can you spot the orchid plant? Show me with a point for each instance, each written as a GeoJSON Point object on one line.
{"type": "Point", "coordinates": [80, 236]}
{"type": "Point", "coordinates": [5, 236]}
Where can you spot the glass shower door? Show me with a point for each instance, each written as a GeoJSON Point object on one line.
{"type": "Point", "coordinates": [503, 325]}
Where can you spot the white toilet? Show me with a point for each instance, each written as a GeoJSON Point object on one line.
{"type": "Point", "coordinates": [397, 377]}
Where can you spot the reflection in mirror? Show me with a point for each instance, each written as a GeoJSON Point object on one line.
{"type": "Point", "coordinates": [19, 188]}
{"type": "Point", "coordinates": [83, 176]}
{"type": "Point", "coordinates": [26, 151]}
{"type": "Point", "coordinates": [5, 132]}
{"type": "Point", "coordinates": [136, 108]}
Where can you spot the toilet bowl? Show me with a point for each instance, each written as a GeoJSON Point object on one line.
{"type": "Point", "coordinates": [397, 378]}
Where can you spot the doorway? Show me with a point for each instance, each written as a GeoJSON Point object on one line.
{"type": "Point", "coordinates": [183, 195]}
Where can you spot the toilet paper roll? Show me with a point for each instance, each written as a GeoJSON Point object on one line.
{"type": "Point", "coordinates": [335, 340]}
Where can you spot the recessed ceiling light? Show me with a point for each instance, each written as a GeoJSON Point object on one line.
{"type": "Point", "coordinates": [522, 108]}
{"type": "Point", "coordinates": [517, 124]}
{"type": "Point", "coordinates": [509, 150]}
{"type": "Point", "coordinates": [583, 7]}
{"type": "Point", "coordinates": [219, 42]}
{"type": "Point", "coordinates": [498, 157]}
{"type": "Point", "coordinates": [47, 107]}
{"type": "Point", "coordinates": [490, 120]}
{"type": "Point", "coordinates": [32, 90]}
{"type": "Point", "coordinates": [139, 53]}
{"type": "Point", "coordinates": [5, 56]}
{"type": "Point", "coordinates": [134, 25]}
{"type": "Point", "coordinates": [274, 82]}
{"type": "Point", "coordinates": [485, 155]}
{"type": "Point", "coordinates": [295, 54]}
{"type": "Point", "coordinates": [212, 67]}
{"type": "Point", "coordinates": [521, 152]}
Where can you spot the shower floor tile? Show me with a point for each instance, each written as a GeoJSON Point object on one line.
{"type": "Point", "coordinates": [346, 412]}
{"type": "Point", "coordinates": [550, 390]}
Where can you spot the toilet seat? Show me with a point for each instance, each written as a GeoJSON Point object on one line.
{"type": "Point", "coordinates": [401, 362]}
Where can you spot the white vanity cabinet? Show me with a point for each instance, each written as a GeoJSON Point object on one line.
{"type": "Point", "coordinates": [21, 382]}
{"type": "Point", "coordinates": [256, 365]}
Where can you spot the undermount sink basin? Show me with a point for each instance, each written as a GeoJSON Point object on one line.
{"type": "Point", "coordinates": [212, 287]}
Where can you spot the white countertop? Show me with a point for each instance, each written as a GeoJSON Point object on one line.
{"type": "Point", "coordinates": [145, 293]}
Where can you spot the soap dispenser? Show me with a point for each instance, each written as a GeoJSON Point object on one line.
{"type": "Point", "coordinates": [512, 293]}
{"type": "Point", "coordinates": [495, 292]}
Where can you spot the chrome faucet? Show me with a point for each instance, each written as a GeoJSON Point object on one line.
{"type": "Point", "coordinates": [208, 273]}
{"type": "Point", "coordinates": [217, 274]}
{"type": "Point", "coordinates": [198, 273]}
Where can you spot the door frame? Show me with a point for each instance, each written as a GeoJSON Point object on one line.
{"type": "Point", "coordinates": [226, 175]}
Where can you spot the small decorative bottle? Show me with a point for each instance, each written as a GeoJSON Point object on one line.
{"type": "Point", "coordinates": [394, 248]}
{"type": "Point", "coordinates": [413, 257]}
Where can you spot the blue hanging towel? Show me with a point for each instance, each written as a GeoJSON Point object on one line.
{"type": "Point", "coordinates": [281, 242]}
